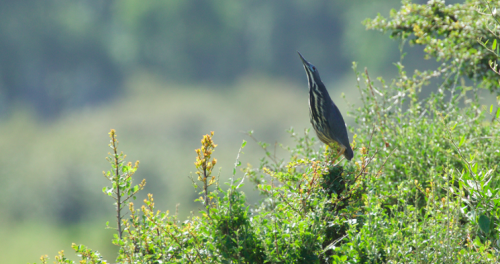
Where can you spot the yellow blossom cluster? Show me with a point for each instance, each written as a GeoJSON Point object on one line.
{"type": "Point", "coordinates": [203, 163]}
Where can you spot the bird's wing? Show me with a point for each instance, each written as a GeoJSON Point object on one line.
{"type": "Point", "coordinates": [338, 128]}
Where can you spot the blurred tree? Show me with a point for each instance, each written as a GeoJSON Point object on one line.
{"type": "Point", "coordinates": [57, 55]}
{"type": "Point", "coordinates": [52, 55]}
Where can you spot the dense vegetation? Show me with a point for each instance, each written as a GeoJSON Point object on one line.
{"type": "Point", "coordinates": [422, 187]}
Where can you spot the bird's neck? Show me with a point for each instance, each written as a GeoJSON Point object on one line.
{"type": "Point", "coordinates": [319, 88]}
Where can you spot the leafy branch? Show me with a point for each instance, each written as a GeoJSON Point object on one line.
{"type": "Point", "coordinates": [120, 176]}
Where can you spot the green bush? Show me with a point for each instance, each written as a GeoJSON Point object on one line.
{"type": "Point", "coordinates": [422, 187]}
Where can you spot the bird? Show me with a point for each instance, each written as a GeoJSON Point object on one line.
{"type": "Point", "coordinates": [325, 116]}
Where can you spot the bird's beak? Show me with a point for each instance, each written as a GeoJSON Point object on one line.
{"type": "Point", "coordinates": [306, 63]}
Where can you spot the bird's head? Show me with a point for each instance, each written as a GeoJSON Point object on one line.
{"type": "Point", "coordinates": [311, 70]}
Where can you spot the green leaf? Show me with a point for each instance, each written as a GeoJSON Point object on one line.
{"type": "Point", "coordinates": [494, 45]}
{"type": "Point", "coordinates": [243, 144]}
{"type": "Point", "coordinates": [491, 109]}
{"type": "Point", "coordinates": [462, 140]}
{"type": "Point", "coordinates": [498, 112]}
{"type": "Point", "coordinates": [454, 126]}
{"type": "Point", "coordinates": [484, 223]}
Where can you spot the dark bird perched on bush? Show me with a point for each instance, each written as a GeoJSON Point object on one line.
{"type": "Point", "coordinates": [326, 118]}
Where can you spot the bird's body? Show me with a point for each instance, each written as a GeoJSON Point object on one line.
{"type": "Point", "coordinates": [325, 116]}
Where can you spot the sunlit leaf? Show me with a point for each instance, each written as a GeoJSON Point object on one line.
{"type": "Point", "coordinates": [462, 140]}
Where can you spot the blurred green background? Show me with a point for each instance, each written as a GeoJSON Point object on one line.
{"type": "Point", "coordinates": [162, 73]}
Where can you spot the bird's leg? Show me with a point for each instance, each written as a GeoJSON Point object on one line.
{"type": "Point", "coordinates": [334, 155]}
{"type": "Point", "coordinates": [341, 151]}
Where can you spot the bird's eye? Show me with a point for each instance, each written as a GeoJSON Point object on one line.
{"type": "Point", "coordinates": [314, 68]}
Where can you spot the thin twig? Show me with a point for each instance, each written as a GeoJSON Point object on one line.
{"type": "Point", "coordinates": [264, 148]}
{"type": "Point", "coordinates": [376, 105]}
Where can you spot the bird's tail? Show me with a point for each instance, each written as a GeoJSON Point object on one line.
{"type": "Point", "coordinates": [348, 153]}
